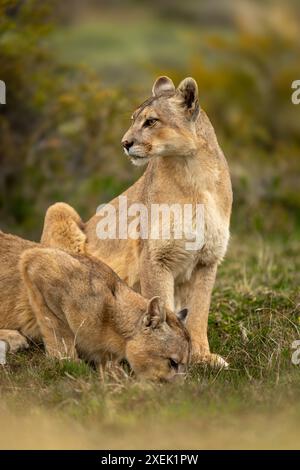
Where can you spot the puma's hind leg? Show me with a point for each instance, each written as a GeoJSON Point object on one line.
{"type": "Point", "coordinates": [63, 228]}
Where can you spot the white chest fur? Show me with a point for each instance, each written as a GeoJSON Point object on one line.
{"type": "Point", "coordinates": [204, 243]}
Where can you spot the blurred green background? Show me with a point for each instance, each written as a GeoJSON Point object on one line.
{"type": "Point", "coordinates": [75, 70]}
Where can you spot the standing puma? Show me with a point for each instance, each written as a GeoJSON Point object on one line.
{"type": "Point", "coordinates": [174, 136]}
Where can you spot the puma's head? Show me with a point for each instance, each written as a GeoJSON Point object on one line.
{"type": "Point", "coordinates": [164, 125]}
{"type": "Point", "coordinates": [160, 350]}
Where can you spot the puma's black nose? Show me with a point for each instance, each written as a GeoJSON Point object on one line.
{"type": "Point", "coordinates": [126, 144]}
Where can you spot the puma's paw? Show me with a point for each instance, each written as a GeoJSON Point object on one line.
{"type": "Point", "coordinates": [15, 341]}
{"type": "Point", "coordinates": [210, 359]}
{"type": "Point", "coordinates": [3, 351]}
{"type": "Point", "coordinates": [218, 361]}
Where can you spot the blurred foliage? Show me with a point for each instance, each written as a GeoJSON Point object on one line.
{"type": "Point", "coordinates": [58, 130]}
{"type": "Point", "coordinates": [75, 70]}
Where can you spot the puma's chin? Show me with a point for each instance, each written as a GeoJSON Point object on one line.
{"type": "Point", "coordinates": [139, 161]}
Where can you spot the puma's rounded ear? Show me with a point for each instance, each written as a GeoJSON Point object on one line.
{"type": "Point", "coordinates": [182, 315]}
{"type": "Point", "coordinates": [155, 314]}
{"type": "Point", "coordinates": [187, 92]}
{"type": "Point", "coordinates": [163, 85]}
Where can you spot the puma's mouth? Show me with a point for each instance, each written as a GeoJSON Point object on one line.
{"type": "Point", "coordinates": [135, 158]}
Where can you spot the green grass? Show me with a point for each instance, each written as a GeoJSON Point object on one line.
{"type": "Point", "coordinates": [255, 404]}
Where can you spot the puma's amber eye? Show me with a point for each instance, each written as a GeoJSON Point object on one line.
{"type": "Point", "coordinates": [150, 122]}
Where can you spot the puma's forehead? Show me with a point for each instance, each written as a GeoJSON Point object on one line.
{"type": "Point", "coordinates": [156, 103]}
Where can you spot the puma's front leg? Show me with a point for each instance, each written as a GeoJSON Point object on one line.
{"type": "Point", "coordinates": [15, 340]}
{"type": "Point", "coordinates": [198, 300]}
{"type": "Point", "coordinates": [58, 338]}
{"type": "Point", "coordinates": [156, 280]}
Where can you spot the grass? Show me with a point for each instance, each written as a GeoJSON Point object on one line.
{"type": "Point", "coordinates": [254, 319]}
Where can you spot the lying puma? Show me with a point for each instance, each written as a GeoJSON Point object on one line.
{"type": "Point", "coordinates": [77, 304]}
{"type": "Point", "coordinates": [185, 165]}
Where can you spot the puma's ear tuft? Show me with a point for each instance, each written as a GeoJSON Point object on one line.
{"type": "Point", "coordinates": [163, 85]}
{"type": "Point", "coordinates": [187, 93]}
{"type": "Point", "coordinates": [182, 315]}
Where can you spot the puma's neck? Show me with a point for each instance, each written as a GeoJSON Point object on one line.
{"type": "Point", "coordinates": [121, 320]}
{"type": "Point", "coordinates": [192, 173]}
{"type": "Point", "coordinates": [128, 310]}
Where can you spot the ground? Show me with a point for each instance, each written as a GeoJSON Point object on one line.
{"type": "Point", "coordinates": [254, 320]}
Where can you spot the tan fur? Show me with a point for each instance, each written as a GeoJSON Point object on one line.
{"type": "Point", "coordinates": [66, 229]}
{"type": "Point", "coordinates": [78, 305]}
{"type": "Point", "coordinates": [185, 165]}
